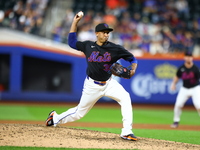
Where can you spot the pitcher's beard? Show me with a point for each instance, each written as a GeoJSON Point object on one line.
{"type": "Point", "coordinates": [189, 63]}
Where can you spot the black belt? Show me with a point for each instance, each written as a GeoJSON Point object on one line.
{"type": "Point", "coordinates": [102, 83]}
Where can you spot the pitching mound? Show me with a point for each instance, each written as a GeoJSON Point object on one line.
{"type": "Point", "coordinates": [41, 136]}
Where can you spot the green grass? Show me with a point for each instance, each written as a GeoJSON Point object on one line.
{"type": "Point", "coordinates": [191, 137]}
{"type": "Point", "coordinates": [113, 115]}
{"type": "Point", "coordinates": [97, 114]}
{"type": "Point", "coordinates": [160, 116]}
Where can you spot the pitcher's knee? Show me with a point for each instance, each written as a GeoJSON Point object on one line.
{"type": "Point", "coordinates": [79, 116]}
{"type": "Point", "coordinates": [198, 110]}
{"type": "Point", "coordinates": [126, 95]}
{"type": "Point", "coordinates": [179, 106]}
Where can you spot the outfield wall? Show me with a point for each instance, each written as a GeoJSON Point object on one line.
{"type": "Point", "coordinates": [34, 72]}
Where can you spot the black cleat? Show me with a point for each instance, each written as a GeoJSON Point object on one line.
{"type": "Point", "coordinates": [130, 137]}
{"type": "Point", "coordinates": [49, 121]}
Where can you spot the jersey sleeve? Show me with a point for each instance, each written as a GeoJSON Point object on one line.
{"type": "Point", "coordinates": [81, 46]}
{"type": "Point", "coordinates": [73, 43]}
{"type": "Point", "coordinates": [197, 72]}
{"type": "Point", "coordinates": [126, 55]}
{"type": "Point", "coordinates": [178, 73]}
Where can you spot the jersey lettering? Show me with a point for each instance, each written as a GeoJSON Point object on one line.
{"type": "Point", "coordinates": [107, 67]}
{"type": "Point", "coordinates": [190, 76]}
{"type": "Point", "coordinates": [94, 57]}
{"type": "Point", "coordinates": [186, 76]}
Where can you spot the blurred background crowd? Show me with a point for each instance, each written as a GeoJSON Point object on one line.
{"type": "Point", "coordinates": [142, 26]}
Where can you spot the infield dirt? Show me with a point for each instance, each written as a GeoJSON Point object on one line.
{"type": "Point", "coordinates": [36, 134]}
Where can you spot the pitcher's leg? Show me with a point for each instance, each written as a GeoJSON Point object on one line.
{"type": "Point", "coordinates": [196, 98]}
{"type": "Point", "coordinates": [180, 101]}
{"type": "Point", "coordinates": [118, 93]}
{"type": "Point", "coordinates": [75, 113]}
{"type": "Point", "coordinates": [127, 114]}
{"type": "Point", "coordinates": [89, 97]}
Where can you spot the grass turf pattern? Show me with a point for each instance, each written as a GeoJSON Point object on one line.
{"type": "Point", "coordinates": [113, 115]}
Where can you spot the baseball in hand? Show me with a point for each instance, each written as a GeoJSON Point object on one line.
{"type": "Point", "coordinates": [80, 14]}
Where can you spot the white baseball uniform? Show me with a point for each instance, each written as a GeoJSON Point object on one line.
{"type": "Point", "coordinates": [99, 82]}
{"type": "Point", "coordinates": [91, 94]}
{"type": "Point", "coordinates": [190, 88]}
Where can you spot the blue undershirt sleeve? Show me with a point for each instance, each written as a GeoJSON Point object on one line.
{"type": "Point", "coordinates": [133, 60]}
{"type": "Point", "coordinates": [72, 39]}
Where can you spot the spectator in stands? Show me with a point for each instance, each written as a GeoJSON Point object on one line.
{"type": "Point", "coordinates": [143, 27]}
{"type": "Point", "coordinates": [178, 43]}
{"type": "Point", "coordinates": [26, 16]}
{"type": "Point", "coordinates": [110, 19]}
{"type": "Point", "coordinates": [57, 33]}
{"type": "Point", "coordinates": [182, 7]}
{"type": "Point", "coordinates": [111, 7]}
{"type": "Point", "coordinates": [65, 24]}
{"type": "Point", "coordinates": [116, 7]}
{"type": "Point", "coordinates": [112, 4]}
{"type": "Point", "coordinates": [85, 33]}
{"type": "Point", "coordinates": [1, 18]}
{"type": "Point", "coordinates": [196, 34]}
{"type": "Point", "coordinates": [124, 16]}
{"type": "Point", "coordinates": [136, 40]}
{"type": "Point", "coordinates": [98, 18]}
{"type": "Point", "coordinates": [174, 20]}
{"type": "Point", "coordinates": [18, 12]}
{"type": "Point", "coordinates": [156, 43]}
{"type": "Point", "coordinates": [88, 17]}
{"type": "Point", "coordinates": [149, 8]}
{"type": "Point", "coordinates": [136, 18]}
{"type": "Point", "coordinates": [145, 45]}
{"type": "Point", "coordinates": [188, 42]}
{"type": "Point", "coordinates": [161, 5]}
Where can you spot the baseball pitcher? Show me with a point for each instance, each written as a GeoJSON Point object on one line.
{"type": "Point", "coordinates": [101, 57]}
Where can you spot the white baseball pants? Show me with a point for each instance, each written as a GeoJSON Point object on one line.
{"type": "Point", "coordinates": [183, 95]}
{"type": "Point", "coordinates": [91, 94]}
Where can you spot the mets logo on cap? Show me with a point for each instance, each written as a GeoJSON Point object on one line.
{"type": "Point", "coordinates": [106, 25]}
{"type": "Point", "coordinates": [102, 27]}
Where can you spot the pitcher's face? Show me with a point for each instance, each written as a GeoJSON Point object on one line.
{"type": "Point", "coordinates": [188, 59]}
{"type": "Point", "coordinates": [102, 36]}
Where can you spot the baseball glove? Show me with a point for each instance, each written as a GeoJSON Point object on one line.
{"type": "Point", "coordinates": [120, 71]}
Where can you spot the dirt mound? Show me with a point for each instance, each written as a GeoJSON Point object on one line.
{"type": "Point", "coordinates": [36, 135]}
